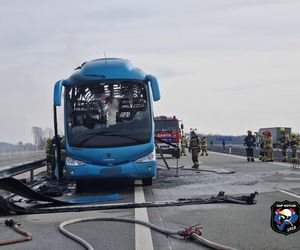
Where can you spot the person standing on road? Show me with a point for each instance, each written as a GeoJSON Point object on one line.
{"type": "Point", "coordinates": [203, 143]}
{"type": "Point", "coordinates": [268, 146]}
{"type": "Point", "coordinates": [195, 149]}
{"type": "Point", "coordinates": [294, 147]}
{"type": "Point", "coordinates": [284, 143]}
{"type": "Point", "coordinates": [183, 145]}
{"type": "Point", "coordinates": [50, 156]}
{"type": "Point", "coordinates": [224, 145]}
{"type": "Point", "coordinates": [249, 142]}
{"type": "Point", "coordinates": [260, 138]}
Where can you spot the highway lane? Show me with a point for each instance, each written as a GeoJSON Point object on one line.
{"type": "Point", "coordinates": [240, 226]}
{"type": "Point", "coordinates": [102, 235]}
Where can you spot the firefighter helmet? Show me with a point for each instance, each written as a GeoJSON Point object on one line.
{"type": "Point", "coordinates": [268, 133]}
{"type": "Point", "coordinates": [292, 134]}
{"type": "Point", "coordinates": [282, 130]}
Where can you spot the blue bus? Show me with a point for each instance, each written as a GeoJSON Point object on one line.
{"type": "Point", "coordinates": [108, 121]}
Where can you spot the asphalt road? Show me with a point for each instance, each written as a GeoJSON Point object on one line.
{"type": "Point", "coordinates": [239, 226]}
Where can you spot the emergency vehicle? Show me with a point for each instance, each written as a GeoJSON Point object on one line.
{"type": "Point", "coordinates": [168, 129]}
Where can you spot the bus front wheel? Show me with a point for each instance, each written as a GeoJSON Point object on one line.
{"type": "Point", "coordinates": [147, 181]}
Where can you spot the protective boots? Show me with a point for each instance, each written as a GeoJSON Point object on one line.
{"type": "Point", "coordinates": [195, 166]}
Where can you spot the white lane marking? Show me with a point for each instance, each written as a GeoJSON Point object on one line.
{"type": "Point", "coordinates": [291, 194]}
{"type": "Point", "coordinates": [143, 238]}
{"type": "Point", "coordinates": [234, 156]}
{"type": "Point", "coordinates": [168, 240]}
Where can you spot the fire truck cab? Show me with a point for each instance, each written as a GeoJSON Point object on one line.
{"type": "Point", "coordinates": [168, 129]}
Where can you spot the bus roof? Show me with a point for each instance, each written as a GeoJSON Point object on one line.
{"type": "Point", "coordinates": [106, 69]}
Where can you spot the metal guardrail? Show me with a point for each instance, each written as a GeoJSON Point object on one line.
{"type": "Point", "coordinates": [10, 171]}
{"type": "Point", "coordinates": [241, 150]}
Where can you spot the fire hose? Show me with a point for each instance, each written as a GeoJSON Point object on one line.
{"type": "Point", "coordinates": [191, 232]}
{"type": "Point", "coordinates": [11, 223]}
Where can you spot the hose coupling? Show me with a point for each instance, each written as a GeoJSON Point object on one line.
{"type": "Point", "coordinates": [188, 231]}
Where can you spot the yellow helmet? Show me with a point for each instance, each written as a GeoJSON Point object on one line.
{"type": "Point", "coordinates": [282, 130]}
{"type": "Point", "coordinates": [292, 134]}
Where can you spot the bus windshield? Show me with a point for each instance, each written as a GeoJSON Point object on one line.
{"type": "Point", "coordinates": [166, 125]}
{"type": "Point", "coordinates": [107, 114]}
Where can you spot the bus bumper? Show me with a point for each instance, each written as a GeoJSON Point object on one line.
{"type": "Point", "coordinates": [129, 170]}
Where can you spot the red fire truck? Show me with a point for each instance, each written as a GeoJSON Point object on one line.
{"type": "Point", "coordinates": [169, 130]}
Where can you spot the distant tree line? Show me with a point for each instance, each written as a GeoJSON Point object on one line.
{"type": "Point", "coordinates": [20, 146]}
{"type": "Point", "coordinates": [40, 137]}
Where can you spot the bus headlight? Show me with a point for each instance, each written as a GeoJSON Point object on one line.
{"type": "Point", "coordinates": [147, 158]}
{"type": "Point", "coordinates": [72, 162]}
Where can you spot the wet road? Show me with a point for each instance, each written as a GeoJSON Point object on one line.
{"type": "Point", "coordinates": [239, 226]}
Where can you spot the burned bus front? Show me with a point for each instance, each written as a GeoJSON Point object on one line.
{"type": "Point", "coordinates": [109, 130]}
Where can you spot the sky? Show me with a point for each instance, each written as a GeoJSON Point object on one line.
{"type": "Point", "coordinates": [223, 66]}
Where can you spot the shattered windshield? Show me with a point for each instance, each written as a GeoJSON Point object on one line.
{"type": "Point", "coordinates": [108, 114]}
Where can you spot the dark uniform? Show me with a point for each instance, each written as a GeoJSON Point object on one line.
{"type": "Point", "coordinates": [249, 142]}
{"type": "Point", "coordinates": [224, 145]}
{"type": "Point", "coordinates": [195, 149]}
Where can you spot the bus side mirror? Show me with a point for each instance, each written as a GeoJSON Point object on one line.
{"type": "Point", "coordinates": [57, 93]}
{"type": "Point", "coordinates": [154, 87]}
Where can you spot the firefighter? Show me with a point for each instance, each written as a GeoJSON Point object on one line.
{"type": "Point", "coordinates": [268, 146]}
{"type": "Point", "coordinates": [50, 156]}
{"type": "Point", "coordinates": [203, 145]}
{"type": "Point", "coordinates": [294, 146]}
{"type": "Point", "coordinates": [63, 152]}
{"type": "Point", "coordinates": [195, 149]}
{"type": "Point", "coordinates": [183, 145]}
{"type": "Point", "coordinates": [284, 142]}
{"type": "Point", "coordinates": [224, 145]}
{"type": "Point", "coordinates": [249, 142]}
{"type": "Point", "coordinates": [261, 145]}
{"type": "Point", "coordinates": [51, 153]}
